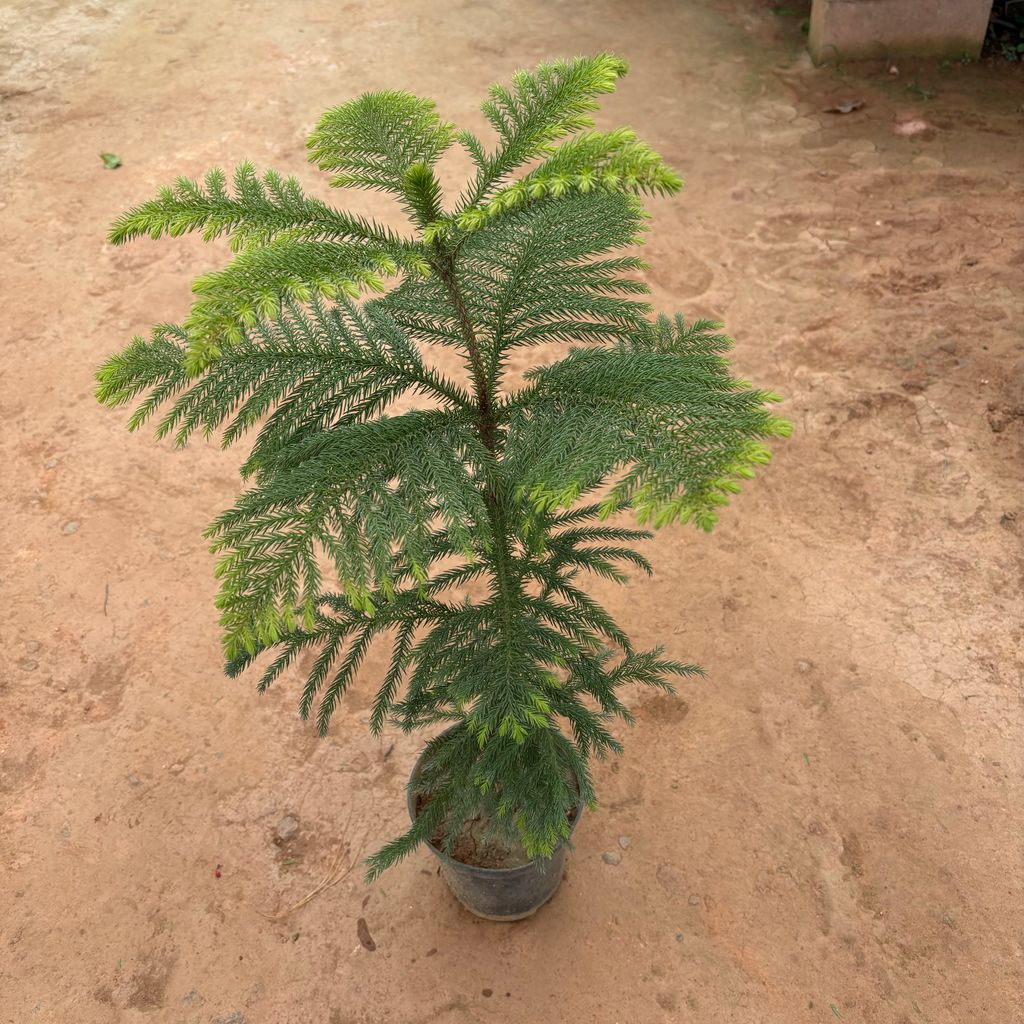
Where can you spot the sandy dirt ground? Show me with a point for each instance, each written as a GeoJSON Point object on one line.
{"type": "Point", "coordinates": [826, 829]}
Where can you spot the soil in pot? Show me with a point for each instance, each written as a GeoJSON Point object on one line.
{"type": "Point", "coordinates": [474, 846]}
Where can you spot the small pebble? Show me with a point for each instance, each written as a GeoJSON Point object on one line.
{"type": "Point", "coordinates": [134, 780]}
{"type": "Point", "coordinates": [287, 828]}
{"type": "Point", "coordinates": [624, 842]}
{"type": "Point", "coordinates": [28, 664]}
{"type": "Point", "coordinates": [50, 463]}
{"type": "Point", "coordinates": [71, 527]}
{"type": "Point", "coordinates": [487, 993]}
{"type": "Point", "coordinates": [694, 900]}
{"type": "Point", "coordinates": [612, 857]}
{"type": "Point", "coordinates": [177, 768]}
{"type": "Point", "coordinates": [230, 1018]}
{"type": "Point", "coordinates": [679, 936]}
{"type": "Point", "coordinates": [32, 646]}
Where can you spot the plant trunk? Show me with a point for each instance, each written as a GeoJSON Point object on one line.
{"type": "Point", "coordinates": [487, 426]}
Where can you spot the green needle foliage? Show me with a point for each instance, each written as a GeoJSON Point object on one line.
{"type": "Point", "coordinates": [364, 524]}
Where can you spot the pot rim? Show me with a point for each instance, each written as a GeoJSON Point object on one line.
{"type": "Point", "coordinates": [459, 865]}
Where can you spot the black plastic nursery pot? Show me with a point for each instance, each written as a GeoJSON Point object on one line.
{"type": "Point", "coordinates": [499, 894]}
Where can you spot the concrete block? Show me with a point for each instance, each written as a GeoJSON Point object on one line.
{"type": "Point", "coordinates": [845, 30]}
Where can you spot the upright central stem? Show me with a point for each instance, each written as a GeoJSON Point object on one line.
{"type": "Point", "coordinates": [502, 555]}
{"type": "Point", "coordinates": [446, 270]}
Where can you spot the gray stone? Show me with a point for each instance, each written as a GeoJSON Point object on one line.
{"type": "Point", "coordinates": [843, 31]}
{"type": "Point", "coordinates": [694, 900]}
{"type": "Point", "coordinates": [71, 527]}
{"type": "Point", "coordinates": [624, 842]}
{"type": "Point", "coordinates": [613, 857]}
{"type": "Point", "coordinates": [287, 828]}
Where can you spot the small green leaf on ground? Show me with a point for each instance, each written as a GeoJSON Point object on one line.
{"type": "Point", "coordinates": [832, 1006]}
{"type": "Point", "coordinates": [110, 160]}
{"type": "Point", "coordinates": [807, 759]}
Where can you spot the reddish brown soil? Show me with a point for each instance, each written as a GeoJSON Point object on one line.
{"type": "Point", "coordinates": [475, 846]}
{"type": "Point", "coordinates": [828, 828]}
{"type": "Point", "coordinates": [479, 845]}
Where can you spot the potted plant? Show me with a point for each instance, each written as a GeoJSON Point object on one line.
{"type": "Point", "coordinates": [458, 530]}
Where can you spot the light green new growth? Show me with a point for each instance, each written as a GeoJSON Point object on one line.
{"type": "Point", "coordinates": [405, 510]}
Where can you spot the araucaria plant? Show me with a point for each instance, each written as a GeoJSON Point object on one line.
{"type": "Point", "coordinates": [365, 523]}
